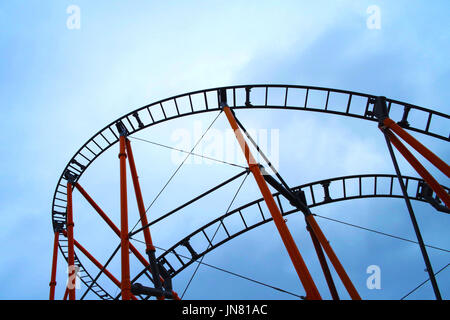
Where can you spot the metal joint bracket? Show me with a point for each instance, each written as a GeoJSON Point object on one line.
{"type": "Point", "coordinates": [70, 176]}
{"type": "Point", "coordinates": [296, 199]}
{"type": "Point", "coordinates": [187, 245]}
{"type": "Point", "coordinates": [167, 278]}
{"type": "Point", "coordinates": [162, 262]}
{"type": "Point", "coordinates": [59, 226]}
{"type": "Point", "coordinates": [404, 122]}
{"type": "Point", "coordinates": [123, 131]}
{"type": "Point", "coordinates": [136, 116]}
{"type": "Point", "coordinates": [326, 191]}
{"type": "Point", "coordinates": [247, 97]}
{"type": "Point", "coordinates": [380, 110]}
{"type": "Point", "coordinates": [425, 192]}
{"type": "Point", "coordinates": [138, 289]}
{"type": "Point", "coordinates": [78, 164]}
{"type": "Point", "coordinates": [222, 98]}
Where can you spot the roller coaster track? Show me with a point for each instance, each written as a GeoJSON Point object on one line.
{"type": "Point", "coordinates": [331, 190]}
{"type": "Point", "coordinates": [246, 97]}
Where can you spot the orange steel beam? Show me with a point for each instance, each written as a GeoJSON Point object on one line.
{"type": "Point", "coordinates": [70, 249]}
{"type": "Point", "coordinates": [139, 199]}
{"type": "Point", "coordinates": [333, 258]}
{"type": "Point", "coordinates": [66, 292]}
{"type": "Point", "coordinates": [54, 265]}
{"type": "Point", "coordinates": [150, 249]}
{"type": "Point", "coordinates": [296, 258]}
{"type": "Point", "coordinates": [434, 159]}
{"type": "Point", "coordinates": [116, 230]}
{"type": "Point", "coordinates": [323, 264]}
{"type": "Point", "coordinates": [419, 168]}
{"type": "Point", "coordinates": [99, 265]}
{"type": "Point", "coordinates": [108, 221]}
{"type": "Point", "coordinates": [125, 246]}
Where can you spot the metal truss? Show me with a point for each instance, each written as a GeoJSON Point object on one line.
{"type": "Point", "coordinates": [228, 99]}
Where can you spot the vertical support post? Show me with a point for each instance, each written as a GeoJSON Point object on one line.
{"type": "Point", "coordinates": [54, 265]}
{"type": "Point", "coordinates": [70, 243]}
{"type": "Point", "coordinates": [124, 241]}
{"type": "Point", "coordinates": [413, 219]}
{"type": "Point", "coordinates": [66, 293]}
{"type": "Point", "coordinates": [150, 249]}
{"type": "Point", "coordinates": [139, 199]}
{"type": "Point", "coordinates": [296, 258]}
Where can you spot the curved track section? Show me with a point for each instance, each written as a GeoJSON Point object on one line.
{"type": "Point", "coordinates": [317, 193]}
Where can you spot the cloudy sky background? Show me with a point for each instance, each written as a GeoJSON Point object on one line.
{"type": "Point", "coordinates": [59, 86]}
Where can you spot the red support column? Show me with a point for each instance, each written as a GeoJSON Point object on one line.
{"type": "Point", "coordinates": [333, 258]}
{"type": "Point", "coordinates": [111, 224]}
{"type": "Point", "coordinates": [126, 285]}
{"type": "Point", "coordinates": [139, 199]}
{"type": "Point", "coordinates": [54, 265]}
{"type": "Point", "coordinates": [419, 168]}
{"type": "Point", "coordinates": [150, 249]}
{"type": "Point", "coordinates": [71, 252]}
{"type": "Point", "coordinates": [66, 293]}
{"type": "Point", "coordinates": [434, 159]}
{"type": "Point", "coordinates": [296, 258]}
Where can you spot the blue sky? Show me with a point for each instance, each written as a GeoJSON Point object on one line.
{"type": "Point", "coordinates": [59, 86]}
